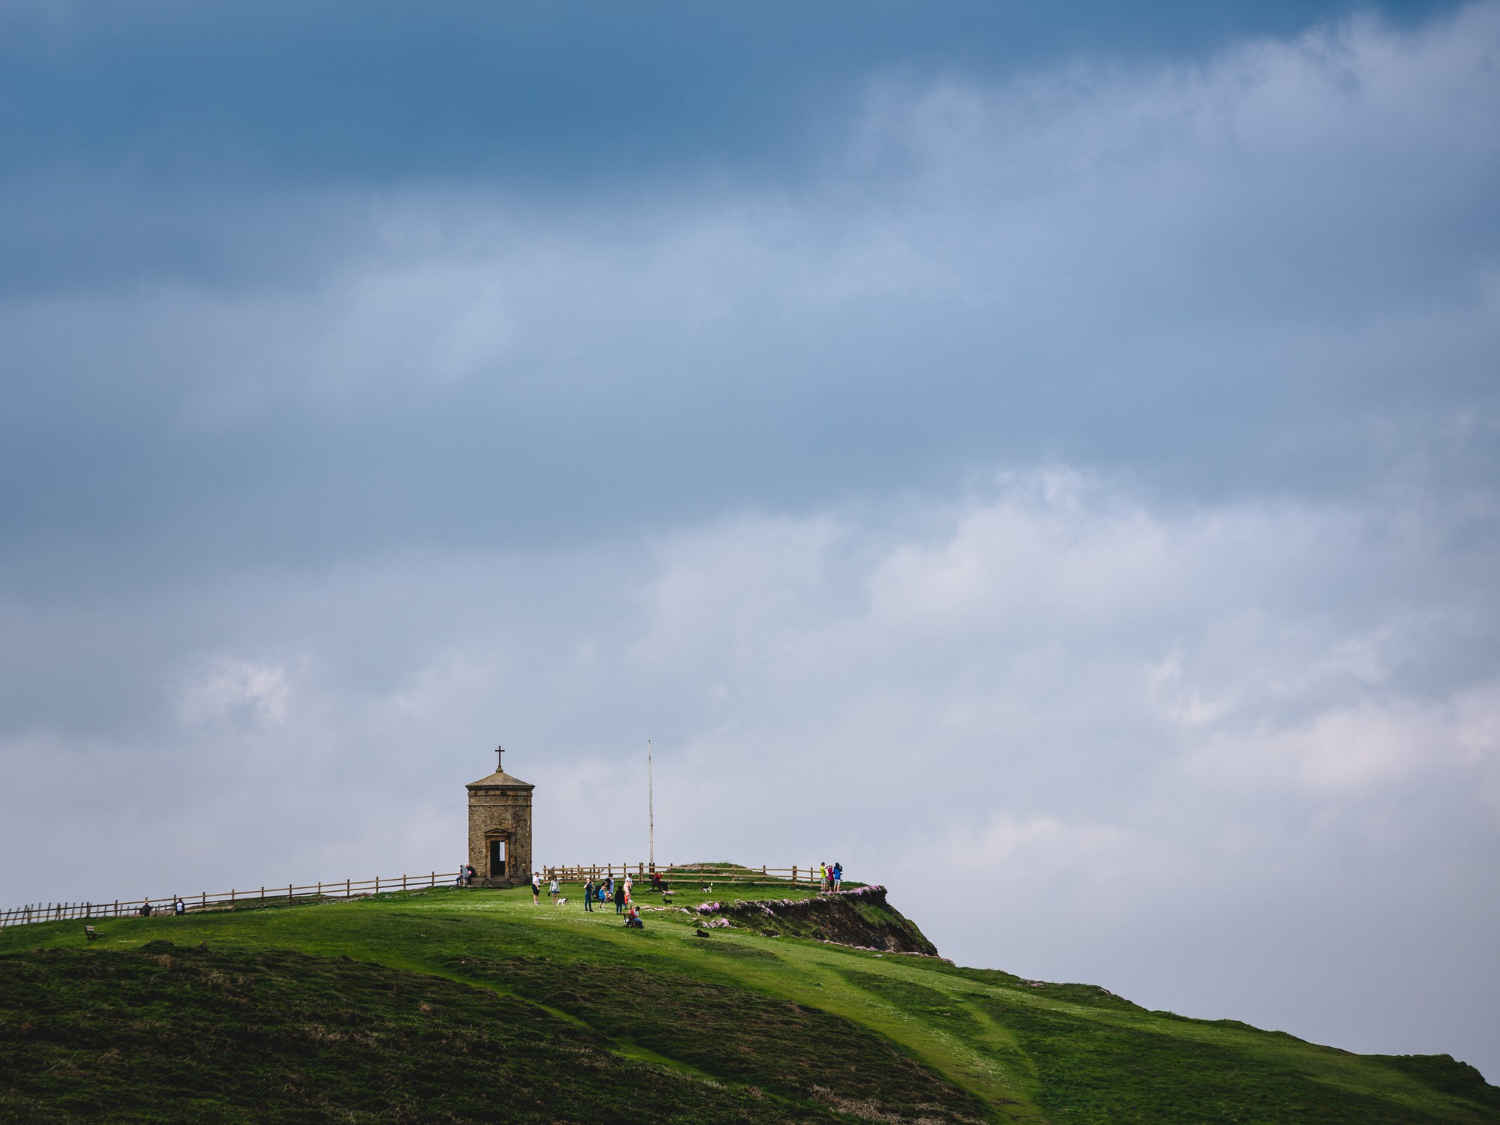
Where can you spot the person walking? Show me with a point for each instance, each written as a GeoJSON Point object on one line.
{"type": "Point", "coordinates": [588, 895]}
{"type": "Point", "coordinates": [622, 893]}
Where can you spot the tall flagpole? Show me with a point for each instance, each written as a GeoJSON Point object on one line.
{"type": "Point", "coordinates": [651, 802]}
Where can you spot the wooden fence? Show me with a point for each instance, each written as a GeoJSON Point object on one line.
{"type": "Point", "coordinates": [263, 896]}
{"type": "Point", "coordinates": [351, 888]}
{"type": "Point", "coordinates": [690, 872]}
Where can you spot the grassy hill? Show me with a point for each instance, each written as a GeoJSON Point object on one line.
{"type": "Point", "coordinates": [459, 1005]}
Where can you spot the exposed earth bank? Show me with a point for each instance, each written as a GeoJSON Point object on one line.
{"type": "Point", "coordinates": [861, 918]}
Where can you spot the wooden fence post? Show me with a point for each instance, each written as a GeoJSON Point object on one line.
{"type": "Point", "coordinates": [346, 888]}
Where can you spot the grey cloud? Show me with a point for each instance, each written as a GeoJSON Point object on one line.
{"type": "Point", "coordinates": [1218, 278]}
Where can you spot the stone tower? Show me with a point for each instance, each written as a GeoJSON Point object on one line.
{"type": "Point", "coordinates": [500, 829]}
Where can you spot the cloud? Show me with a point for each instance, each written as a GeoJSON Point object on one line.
{"type": "Point", "coordinates": [1365, 746]}
{"type": "Point", "coordinates": [1274, 269]}
{"type": "Point", "coordinates": [236, 686]}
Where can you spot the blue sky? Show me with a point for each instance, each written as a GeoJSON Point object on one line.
{"type": "Point", "coordinates": [1046, 458]}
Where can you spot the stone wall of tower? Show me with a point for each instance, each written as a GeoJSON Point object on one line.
{"type": "Point", "coordinates": [505, 809]}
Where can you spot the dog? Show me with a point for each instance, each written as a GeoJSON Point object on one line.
{"type": "Point", "coordinates": [560, 900]}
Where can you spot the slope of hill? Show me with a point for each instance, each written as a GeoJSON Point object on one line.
{"type": "Point", "coordinates": [469, 1006]}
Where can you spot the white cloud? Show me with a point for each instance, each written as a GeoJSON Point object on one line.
{"type": "Point", "coordinates": [1363, 746]}
{"type": "Point", "coordinates": [229, 688]}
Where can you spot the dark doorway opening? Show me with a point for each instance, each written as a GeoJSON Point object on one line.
{"type": "Point", "coordinates": [497, 859]}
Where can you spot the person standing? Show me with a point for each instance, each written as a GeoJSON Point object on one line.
{"type": "Point", "coordinates": [179, 907]}
{"type": "Point", "coordinates": [838, 875]}
{"type": "Point", "coordinates": [536, 888]}
{"type": "Point", "coordinates": [622, 892]}
{"type": "Point", "coordinates": [552, 891]}
{"type": "Point", "coordinates": [588, 895]}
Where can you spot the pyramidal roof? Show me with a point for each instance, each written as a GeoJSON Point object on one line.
{"type": "Point", "coordinates": [500, 780]}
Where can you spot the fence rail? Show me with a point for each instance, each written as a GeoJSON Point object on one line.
{"type": "Point", "coordinates": [204, 901]}
{"type": "Point", "coordinates": [707, 872]}
{"type": "Point", "coordinates": [353, 888]}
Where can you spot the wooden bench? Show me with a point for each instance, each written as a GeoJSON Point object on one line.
{"type": "Point", "coordinates": [88, 932]}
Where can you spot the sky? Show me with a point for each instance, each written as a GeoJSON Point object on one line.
{"type": "Point", "coordinates": [1044, 457]}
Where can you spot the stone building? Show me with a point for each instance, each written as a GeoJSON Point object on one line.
{"type": "Point", "coordinates": [500, 829]}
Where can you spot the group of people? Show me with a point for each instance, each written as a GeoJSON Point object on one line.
{"type": "Point", "coordinates": [607, 889]}
{"type": "Point", "coordinates": [832, 877]}
{"type": "Point", "coordinates": [178, 907]}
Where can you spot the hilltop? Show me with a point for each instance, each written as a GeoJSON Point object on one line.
{"type": "Point", "coordinates": [466, 1005]}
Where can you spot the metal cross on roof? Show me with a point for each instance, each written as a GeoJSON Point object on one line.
{"type": "Point", "coordinates": [499, 754]}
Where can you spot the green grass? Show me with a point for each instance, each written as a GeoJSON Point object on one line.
{"type": "Point", "coordinates": [474, 1005]}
